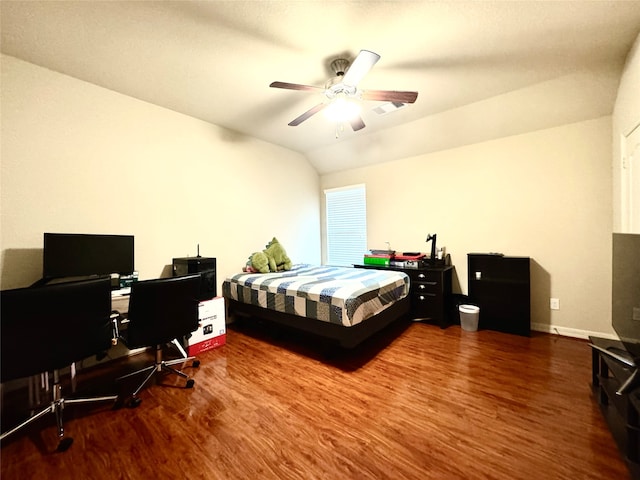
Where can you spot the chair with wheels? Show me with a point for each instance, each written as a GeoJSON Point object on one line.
{"type": "Point", "coordinates": [160, 311]}
{"type": "Point", "coordinates": [50, 327]}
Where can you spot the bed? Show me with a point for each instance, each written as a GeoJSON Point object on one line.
{"type": "Point", "coordinates": [342, 304]}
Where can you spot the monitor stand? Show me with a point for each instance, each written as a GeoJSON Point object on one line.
{"type": "Point", "coordinates": [621, 356]}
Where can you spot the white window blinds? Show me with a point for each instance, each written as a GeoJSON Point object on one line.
{"type": "Point", "coordinates": [346, 225]}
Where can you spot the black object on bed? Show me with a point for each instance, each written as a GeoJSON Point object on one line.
{"type": "Point", "coordinates": [345, 305]}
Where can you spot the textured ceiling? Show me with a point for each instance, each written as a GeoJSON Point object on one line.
{"type": "Point", "coordinates": [511, 65]}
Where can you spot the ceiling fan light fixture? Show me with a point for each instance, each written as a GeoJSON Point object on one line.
{"type": "Point", "coordinates": [342, 110]}
{"type": "Point", "coordinates": [339, 66]}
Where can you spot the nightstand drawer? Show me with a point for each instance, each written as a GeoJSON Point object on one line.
{"type": "Point", "coordinates": [426, 306]}
{"type": "Point", "coordinates": [423, 275]}
{"type": "Point", "coordinates": [426, 287]}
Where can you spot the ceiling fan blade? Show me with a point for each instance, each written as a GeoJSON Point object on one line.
{"type": "Point", "coordinates": [360, 67]}
{"type": "Point", "coordinates": [295, 86]}
{"type": "Point", "coordinates": [357, 123]}
{"type": "Point", "coordinates": [390, 96]}
{"type": "Point", "coordinates": [312, 111]}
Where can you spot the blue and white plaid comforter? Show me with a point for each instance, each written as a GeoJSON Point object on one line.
{"type": "Point", "coordinates": [341, 295]}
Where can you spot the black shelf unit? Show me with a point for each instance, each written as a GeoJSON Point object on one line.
{"type": "Point", "coordinates": [205, 266]}
{"type": "Point", "coordinates": [500, 286]}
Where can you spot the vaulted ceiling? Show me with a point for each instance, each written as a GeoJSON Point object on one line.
{"type": "Point", "coordinates": [483, 69]}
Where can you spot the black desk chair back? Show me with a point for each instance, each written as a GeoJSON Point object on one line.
{"type": "Point", "coordinates": [47, 328]}
{"type": "Point", "coordinates": [160, 311]}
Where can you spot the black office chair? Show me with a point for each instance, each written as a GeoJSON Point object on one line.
{"type": "Point", "coordinates": [47, 328]}
{"type": "Point", "coordinates": [160, 311]}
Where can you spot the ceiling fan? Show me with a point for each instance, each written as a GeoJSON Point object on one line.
{"type": "Point", "coordinates": [344, 86]}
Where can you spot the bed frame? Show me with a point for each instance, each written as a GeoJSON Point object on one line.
{"type": "Point", "coordinates": [346, 337]}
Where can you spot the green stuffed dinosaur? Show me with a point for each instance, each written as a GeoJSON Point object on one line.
{"type": "Point", "coordinates": [258, 262]}
{"type": "Point", "coordinates": [272, 259]}
{"type": "Point", "coordinates": [278, 259]}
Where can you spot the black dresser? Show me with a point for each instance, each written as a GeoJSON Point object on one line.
{"type": "Point", "coordinates": [500, 286]}
{"type": "Point", "coordinates": [430, 290]}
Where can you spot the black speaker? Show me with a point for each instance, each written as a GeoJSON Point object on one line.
{"type": "Point", "coordinates": [205, 266]}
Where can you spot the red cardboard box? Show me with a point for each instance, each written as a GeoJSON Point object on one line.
{"type": "Point", "coordinates": [212, 331]}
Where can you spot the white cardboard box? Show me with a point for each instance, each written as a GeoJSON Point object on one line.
{"type": "Point", "coordinates": [212, 331]}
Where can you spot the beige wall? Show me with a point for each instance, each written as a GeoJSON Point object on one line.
{"type": "Point", "coordinates": [80, 158]}
{"type": "Point", "coordinates": [626, 117]}
{"type": "Point", "coordinates": [545, 194]}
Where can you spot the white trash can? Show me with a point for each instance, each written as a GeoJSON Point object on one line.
{"type": "Point", "coordinates": [469, 315]}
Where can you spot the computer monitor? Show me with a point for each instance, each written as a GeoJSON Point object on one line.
{"type": "Point", "coordinates": [625, 307]}
{"type": "Point", "coordinates": [81, 255]}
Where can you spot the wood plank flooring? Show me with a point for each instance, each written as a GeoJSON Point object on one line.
{"type": "Point", "coordinates": [416, 402]}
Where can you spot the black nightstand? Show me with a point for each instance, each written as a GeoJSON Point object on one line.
{"type": "Point", "coordinates": [430, 290]}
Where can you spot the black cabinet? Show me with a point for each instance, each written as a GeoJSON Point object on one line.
{"type": "Point", "coordinates": [430, 290]}
{"type": "Point", "coordinates": [500, 286]}
{"type": "Point", "coordinates": [205, 266]}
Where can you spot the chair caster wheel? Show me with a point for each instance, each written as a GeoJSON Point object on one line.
{"type": "Point", "coordinates": [190, 383]}
{"type": "Point", "coordinates": [64, 444]}
{"type": "Point", "coordinates": [118, 404]}
{"type": "Point", "coordinates": [134, 402]}
{"type": "Point", "coordinates": [195, 364]}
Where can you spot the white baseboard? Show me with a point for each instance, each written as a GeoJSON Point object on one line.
{"type": "Point", "coordinates": [570, 332]}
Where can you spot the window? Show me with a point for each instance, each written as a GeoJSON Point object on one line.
{"type": "Point", "coordinates": [346, 224]}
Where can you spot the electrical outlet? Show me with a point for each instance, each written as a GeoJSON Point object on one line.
{"type": "Point", "coordinates": [554, 303]}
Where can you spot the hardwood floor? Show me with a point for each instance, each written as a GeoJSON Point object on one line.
{"type": "Point", "coordinates": [416, 402]}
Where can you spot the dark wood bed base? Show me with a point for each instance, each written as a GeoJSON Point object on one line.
{"type": "Point", "coordinates": [346, 337]}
